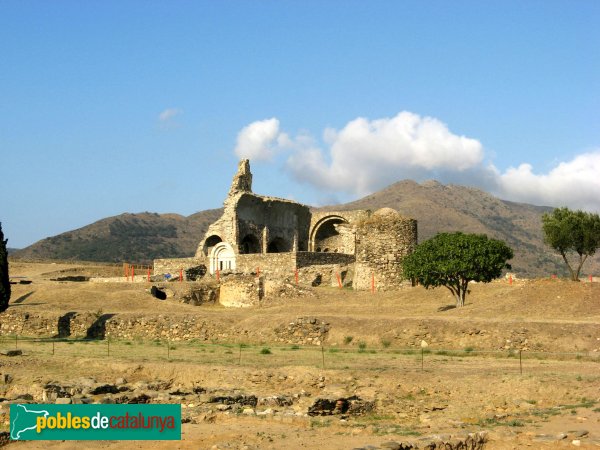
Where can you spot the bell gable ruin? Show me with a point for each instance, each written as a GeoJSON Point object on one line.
{"type": "Point", "coordinates": [280, 238]}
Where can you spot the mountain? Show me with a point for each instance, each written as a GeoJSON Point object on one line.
{"type": "Point", "coordinates": [447, 208]}
{"type": "Point", "coordinates": [136, 238]}
{"type": "Point", "coordinates": [140, 238]}
{"type": "Point", "coordinates": [10, 250]}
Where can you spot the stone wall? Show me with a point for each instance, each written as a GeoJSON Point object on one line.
{"type": "Point", "coordinates": [174, 265]}
{"type": "Point", "coordinates": [271, 220]}
{"type": "Point", "coordinates": [305, 259]}
{"type": "Point", "coordinates": [382, 241]}
{"type": "Point", "coordinates": [272, 264]}
{"type": "Point", "coordinates": [303, 331]}
{"type": "Point", "coordinates": [277, 237]}
{"type": "Point", "coordinates": [353, 216]}
{"type": "Point", "coordinates": [323, 269]}
{"type": "Point", "coordinates": [117, 326]}
{"type": "Point", "coordinates": [400, 332]}
{"type": "Point", "coordinates": [334, 231]}
{"type": "Point", "coordinates": [257, 224]}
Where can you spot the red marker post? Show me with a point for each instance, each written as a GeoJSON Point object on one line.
{"type": "Point", "coordinates": [132, 272]}
{"type": "Point", "coordinates": [339, 280]}
{"type": "Point", "coordinates": [591, 279]}
{"type": "Point", "coordinates": [180, 275]}
{"type": "Point", "coordinates": [218, 275]}
{"type": "Point", "coordinates": [510, 280]}
{"type": "Point", "coordinates": [148, 274]}
{"type": "Point", "coordinates": [296, 275]}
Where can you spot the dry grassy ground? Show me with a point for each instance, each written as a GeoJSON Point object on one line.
{"type": "Point", "coordinates": [453, 393]}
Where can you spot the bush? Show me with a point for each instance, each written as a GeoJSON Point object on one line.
{"type": "Point", "coordinates": [265, 351]}
{"type": "Point", "coordinates": [348, 339]}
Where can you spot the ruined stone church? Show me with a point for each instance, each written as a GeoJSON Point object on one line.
{"type": "Point", "coordinates": [278, 238]}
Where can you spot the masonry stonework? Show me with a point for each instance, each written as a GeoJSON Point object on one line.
{"type": "Point", "coordinates": [382, 241]}
{"type": "Point", "coordinates": [278, 238]}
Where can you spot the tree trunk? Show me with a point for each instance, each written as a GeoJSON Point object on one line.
{"type": "Point", "coordinates": [574, 276]}
{"type": "Point", "coordinates": [458, 300]}
{"type": "Point", "coordinates": [582, 259]}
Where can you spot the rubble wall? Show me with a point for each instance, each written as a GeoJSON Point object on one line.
{"type": "Point", "coordinates": [241, 291]}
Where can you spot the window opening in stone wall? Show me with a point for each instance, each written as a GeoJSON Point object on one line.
{"type": "Point", "coordinates": [249, 244]}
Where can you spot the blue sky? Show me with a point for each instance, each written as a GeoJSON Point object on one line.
{"type": "Point", "coordinates": [129, 106]}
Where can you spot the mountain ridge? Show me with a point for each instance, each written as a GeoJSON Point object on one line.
{"type": "Point", "coordinates": [143, 237]}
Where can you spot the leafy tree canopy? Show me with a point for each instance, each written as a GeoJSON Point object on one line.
{"type": "Point", "coordinates": [454, 259]}
{"type": "Point", "coordinates": [569, 231]}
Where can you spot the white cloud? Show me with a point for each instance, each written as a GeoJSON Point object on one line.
{"type": "Point", "coordinates": [169, 114]}
{"type": "Point", "coordinates": [367, 155]}
{"type": "Point", "coordinates": [575, 183]}
{"type": "Point", "coordinates": [260, 139]}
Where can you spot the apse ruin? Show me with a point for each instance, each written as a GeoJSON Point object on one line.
{"type": "Point", "coordinates": [277, 238]}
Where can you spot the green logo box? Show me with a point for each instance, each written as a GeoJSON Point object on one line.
{"type": "Point", "coordinates": [95, 422]}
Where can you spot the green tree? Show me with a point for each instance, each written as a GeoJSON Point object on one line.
{"type": "Point", "coordinates": [4, 280]}
{"type": "Point", "coordinates": [454, 259]}
{"type": "Point", "coordinates": [569, 231]}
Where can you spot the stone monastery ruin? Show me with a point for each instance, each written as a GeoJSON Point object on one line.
{"type": "Point", "coordinates": [277, 239]}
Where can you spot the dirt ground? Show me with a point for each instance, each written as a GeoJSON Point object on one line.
{"type": "Point", "coordinates": [554, 403]}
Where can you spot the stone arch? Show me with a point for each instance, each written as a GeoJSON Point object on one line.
{"type": "Point", "coordinates": [222, 257]}
{"type": "Point", "coordinates": [325, 237]}
{"type": "Point", "coordinates": [210, 242]}
{"type": "Point", "coordinates": [250, 244]}
{"type": "Point", "coordinates": [278, 245]}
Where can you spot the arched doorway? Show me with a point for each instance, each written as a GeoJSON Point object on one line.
{"type": "Point", "coordinates": [222, 257]}
{"type": "Point", "coordinates": [210, 242]}
{"type": "Point", "coordinates": [326, 236]}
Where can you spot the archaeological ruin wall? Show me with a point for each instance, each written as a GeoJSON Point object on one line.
{"type": "Point", "coordinates": [382, 241]}
{"type": "Point", "coordinates": [278, 238]}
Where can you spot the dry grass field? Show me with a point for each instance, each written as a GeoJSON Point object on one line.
{"type": "Point", "coordinates": [469, 379]}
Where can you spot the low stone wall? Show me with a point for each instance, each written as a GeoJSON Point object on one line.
{"type": "Point", "coordinates": [69, 324]}
{"type": "Point", "coordinates": [326, 275]}
{"type": "Point", "coordinates": [398, 333]}
{"type": "Point", "coordinates": [305, 259]}
{"type": "Point", "coordinates": [274, 264]}
{"type": "Point", "coordinates": [121, 326]}
{"type": "Point", "coordinates": [174, 265]}
{"type": "Point", "coordinates": [278, 265]}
